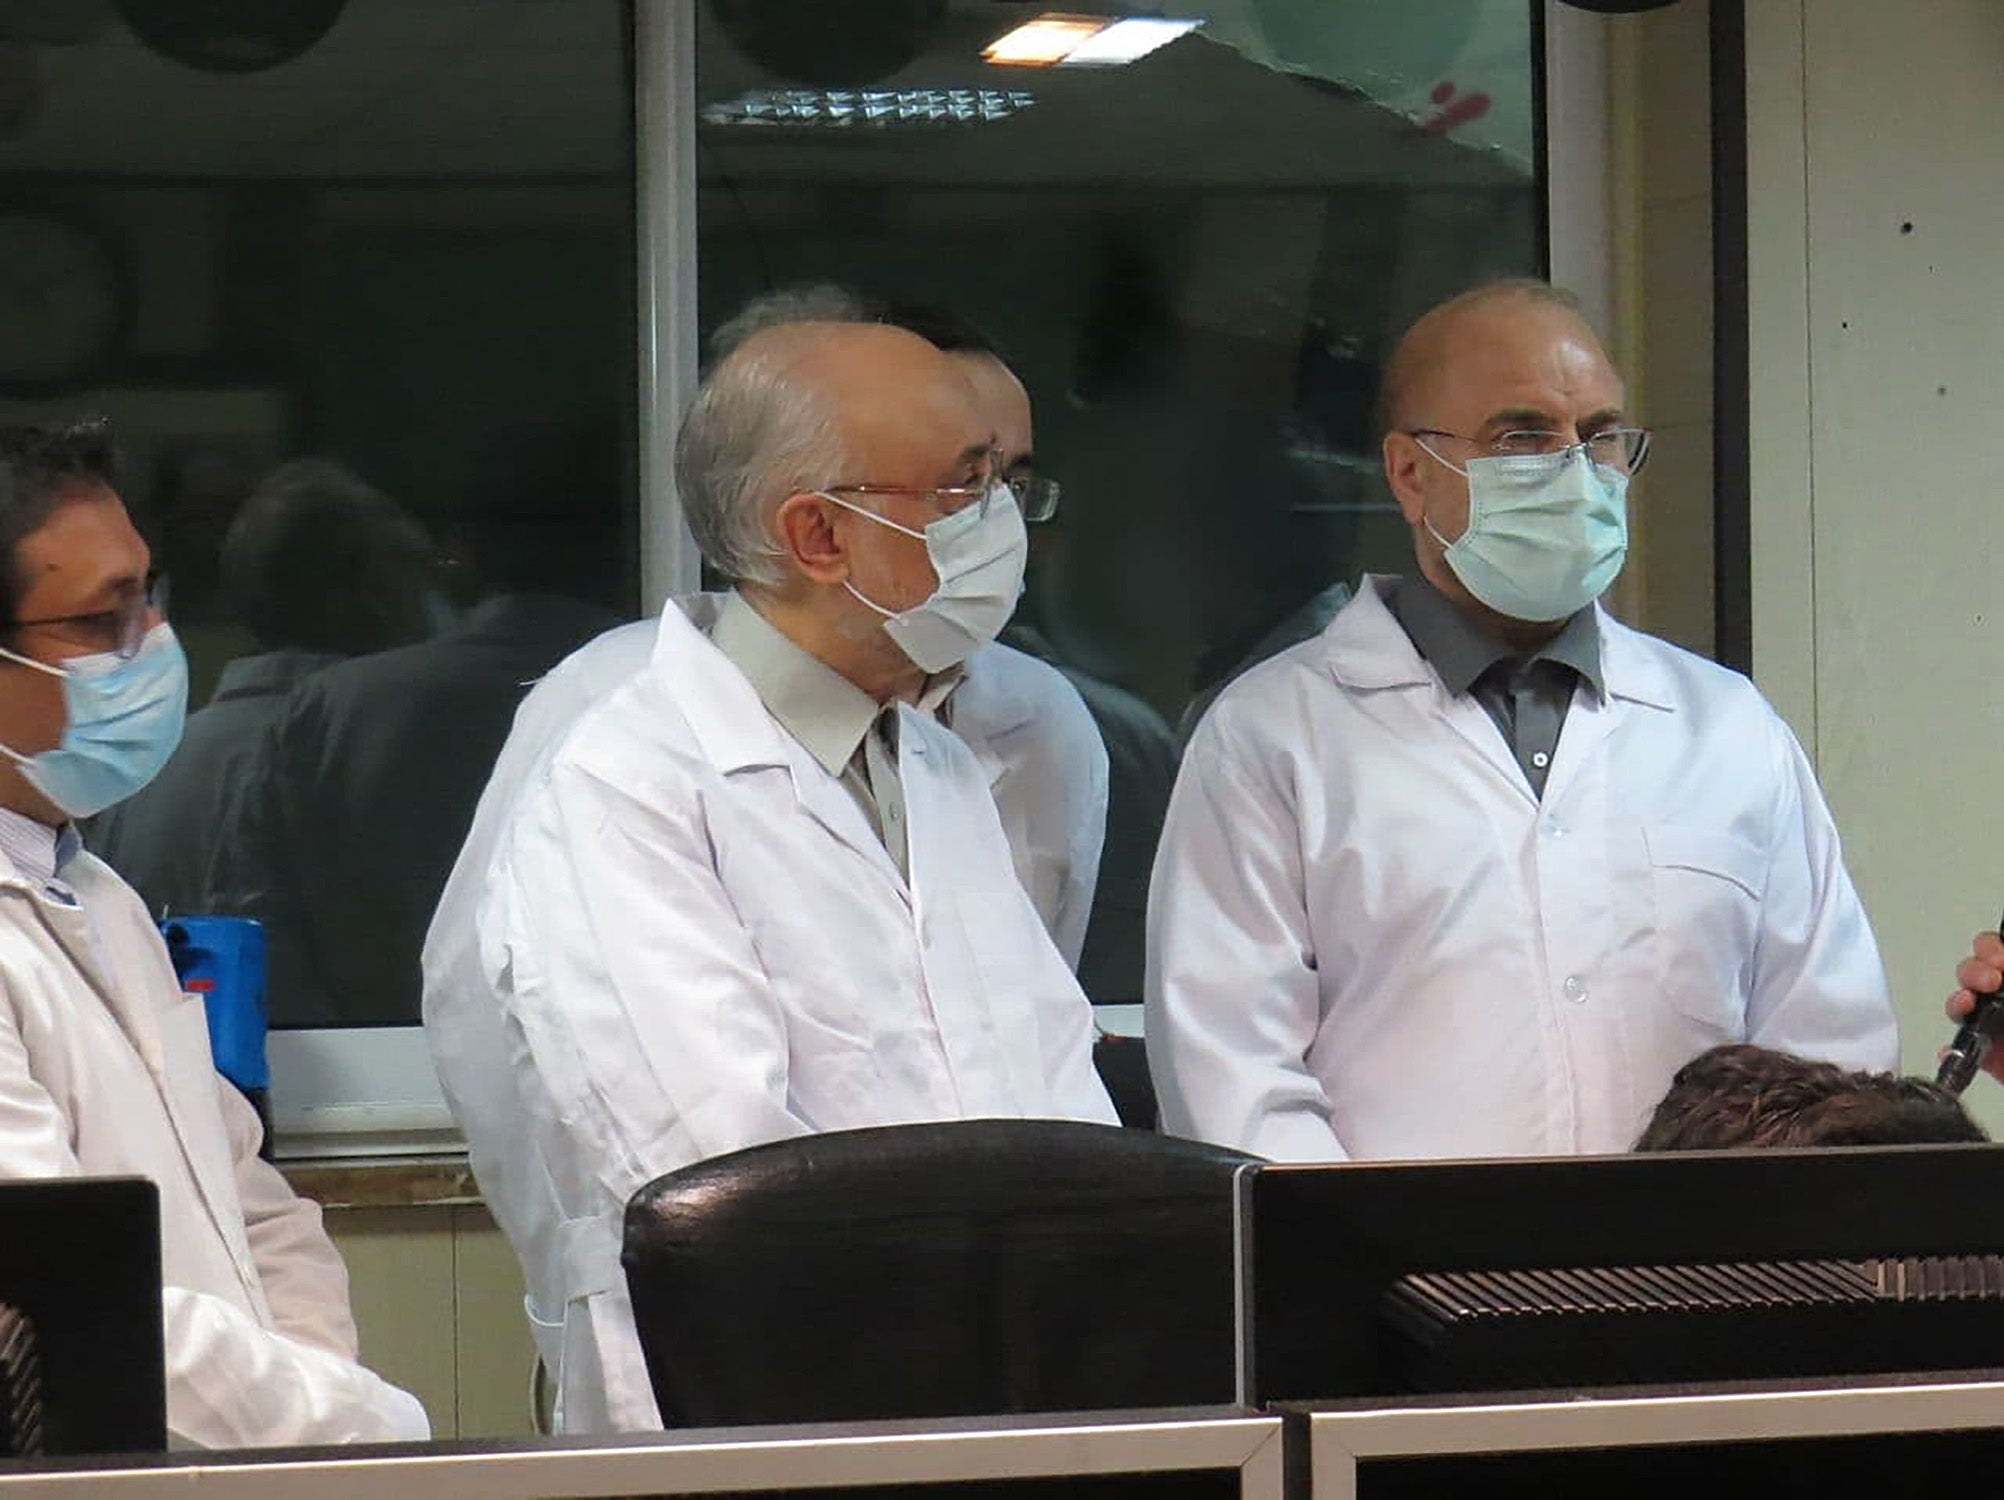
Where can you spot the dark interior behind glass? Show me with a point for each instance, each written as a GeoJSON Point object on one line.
{"type": "Point", "coordinates": [1195, 263]}
{"type": "Point", "coordinates": [372, 263]}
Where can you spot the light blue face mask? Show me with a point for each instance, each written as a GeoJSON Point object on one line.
{"type": "Point", "coordinates": [1547, 533]}
{"type": "Point", "coordinates": [123, 719]}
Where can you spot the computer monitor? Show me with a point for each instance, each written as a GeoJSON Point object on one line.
{"type": "Point", "coordinates": [1366, 1280]}
{"type": "Point", "coordinates": [81, 1362]}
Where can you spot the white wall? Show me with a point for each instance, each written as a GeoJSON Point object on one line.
{"type": "Point", "coordinates": [1876, 146]}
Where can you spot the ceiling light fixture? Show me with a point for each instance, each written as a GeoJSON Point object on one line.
{"type": "Point", "coordinates": [1046, 40]}
{"type": "Point", "coordinates": [850, 108]}
{"type": "Point", "coordinates": [1124, 41]}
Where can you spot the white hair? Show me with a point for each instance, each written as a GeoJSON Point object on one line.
{"type": "Point", "coordinates": [812, 302]}
{"type": "Point", "coordinates": [752, 437]}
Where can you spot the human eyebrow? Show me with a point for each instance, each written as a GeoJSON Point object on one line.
{"type": "Point", "coordinates": [110, 594]}
{"type": "Point", "coordinates": [974, 461]}
{"type": "Point", "coordinates": [1600, 421]}
{"type": "Point", "coordinates": [1521, 419]}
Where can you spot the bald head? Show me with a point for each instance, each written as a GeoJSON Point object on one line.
{"type": "Point", "coordinates": [1425, 354]}
{"type": "Point", "coordinates": [806, 406]}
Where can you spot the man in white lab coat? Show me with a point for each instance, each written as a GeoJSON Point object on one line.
{"type": "Point", "coordinates": [104, 1064]}
{"type": "Point", "coordinates": [1475, 870]}
{"type": "Point", "coordinates": [756, 890]}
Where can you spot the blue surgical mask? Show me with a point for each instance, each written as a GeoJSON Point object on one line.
{"type": "Point", "coordinates": [1547, 533]}
{"type": "Point", "coordinates": [123, 719]}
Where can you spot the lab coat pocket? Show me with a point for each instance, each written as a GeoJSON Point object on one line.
{"type": "Point", "coordinates": [1706, 889]}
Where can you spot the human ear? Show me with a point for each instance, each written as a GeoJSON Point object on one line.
{"type": "Point", "coordinates": [1403, 457]}
{"type": "Point", "coordinates": [805, 529]}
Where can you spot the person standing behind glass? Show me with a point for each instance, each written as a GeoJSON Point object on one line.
{"type": "Point", "coordinates": [1473, 872]}
{"type": "Point", "coordinates": [319, 566]}
{"type": "Point", "coordinates": [362, 789]}
{"type": "Point", "coordinates": [104, 1062]}
{"type": "Point", "coordinates": [1031, 722]}
{"type": "Point", "coordinates": [1140, 748]}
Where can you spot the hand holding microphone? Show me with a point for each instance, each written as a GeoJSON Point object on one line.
{"type": "Point", "coordinates": [1979, 1007]}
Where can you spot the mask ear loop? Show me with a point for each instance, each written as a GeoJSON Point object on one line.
{"type": "Point", "coordinates": [872, 515]}
{"type": "Point", "coordinates": [856, 593]}
{"type": "Point", "coordinates": [1426, 520]}
{"type": "Point", "coordinates": [29, 661]}
{"type": "Point", "coordinates": [40, 666]}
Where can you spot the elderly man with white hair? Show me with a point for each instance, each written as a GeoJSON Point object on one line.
{"type": "Point", "coordinates": [757, 889]}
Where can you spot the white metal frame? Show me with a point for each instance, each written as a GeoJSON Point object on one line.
{"type": "Point", "coordinates": [710, 1463]}
{"type": "Point", "coordinates": [1340, 1440]}
{"type": "Point", "coordinates": [1577, 152]}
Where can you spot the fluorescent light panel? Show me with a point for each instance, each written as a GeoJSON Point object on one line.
{"type": "Point", "coordinates": [1048, 39]}
{"type": "Point", "coordinates": [1124, 41]}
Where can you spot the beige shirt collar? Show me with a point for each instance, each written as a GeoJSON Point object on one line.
{"type": "Point", "coordinates": [813, 702]}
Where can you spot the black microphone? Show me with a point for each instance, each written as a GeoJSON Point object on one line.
{"type": "Point", "coordinates": [1983, 1024]}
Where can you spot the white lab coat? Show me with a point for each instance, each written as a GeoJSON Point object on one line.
{"type": "Point", "coordinates": [672, 934]}
{"type": "Point", "coordinates": [1367, 937]}
{"type": "Point", "coordinates": [105, 1070]}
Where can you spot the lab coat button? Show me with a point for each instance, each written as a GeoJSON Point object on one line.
{"type": "Point", "coordinates": [1555, 828]}
{"type": "Point", "coordinates": [1576, 989]}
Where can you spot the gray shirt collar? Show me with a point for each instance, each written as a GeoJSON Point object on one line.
{"type": "Point", "coordinates": [814, 703]}
{"type": "Point", "coordinates": [1460, 651]}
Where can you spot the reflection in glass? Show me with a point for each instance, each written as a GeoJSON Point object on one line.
{"type": "Point", "coordinates": [1194, 263]}
{"type": "Point", "coordinates": [360, 306]}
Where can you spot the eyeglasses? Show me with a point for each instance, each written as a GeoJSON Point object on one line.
{"type": "Point", "coordinates": [120, 630]}
{"type": "Point", "coordinates": [1035, 494]}
{"type": "Point", "coordinates": [1623, 448]}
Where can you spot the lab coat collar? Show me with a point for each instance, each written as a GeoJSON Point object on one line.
{"type": "Point", "coordinates": [733, 728]}
{"type": "Point", "coordinates": [69, 923]}
{"type": "Point", "coordinates": [995, 703]}
{"type": "Point", "coordinates": [736, 733]}
{"type": "Point", "coordinates": [1634, 671]}
{"type": "Point", "coordinates": [1364, 647]}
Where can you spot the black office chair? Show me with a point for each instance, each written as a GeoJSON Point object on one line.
{"type": "Point", "coordinates": [955, 1269]}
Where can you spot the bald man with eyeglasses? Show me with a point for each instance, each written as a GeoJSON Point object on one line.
{"type": "Point", "coordinates": [1473, 872]}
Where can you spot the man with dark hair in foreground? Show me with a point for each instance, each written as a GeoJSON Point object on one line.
{"type": "Point", "coordinates": [1743, 1095]}
{"type": "Point", "coordinates": [105, 1066]}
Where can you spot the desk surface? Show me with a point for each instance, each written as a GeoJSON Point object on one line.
{"type": "Point", "coordinates": [1357, 1449]}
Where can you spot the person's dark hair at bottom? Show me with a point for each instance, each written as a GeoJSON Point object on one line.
{"type": "Point", "coordinates": [1742, 1095]}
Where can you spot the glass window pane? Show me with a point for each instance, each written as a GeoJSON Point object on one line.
{"type": "Point", "coordinates": [1195, 262]}
{"type": "Point", "coordinates": [355, 287]}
